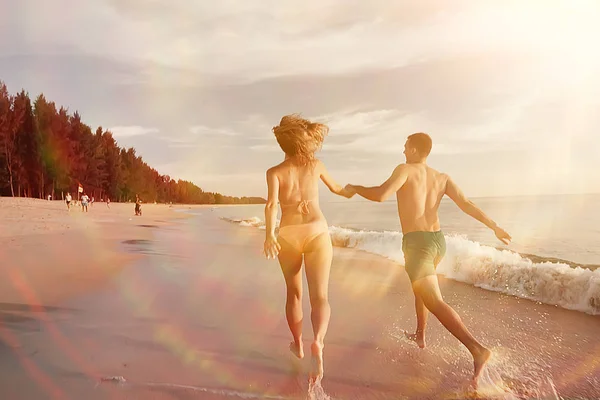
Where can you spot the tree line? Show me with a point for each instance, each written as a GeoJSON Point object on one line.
{"type": "Point", "coordinates": [47, 151]}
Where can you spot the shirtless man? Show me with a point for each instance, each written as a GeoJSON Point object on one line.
{"type": "Point", "coordinates": [419, 190]}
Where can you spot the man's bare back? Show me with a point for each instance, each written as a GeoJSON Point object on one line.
{"type": "Point", "coordinates": [419, 191]}
{"type": "Point", "coordinates": [419, 198]}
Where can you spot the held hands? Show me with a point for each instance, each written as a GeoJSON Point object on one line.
{"type": "Point", "coordinates": [502, 235]}
{"type": "Point", "coordinates": [348, 191]}
{"type": "Point", "coordinates": [271, 247]}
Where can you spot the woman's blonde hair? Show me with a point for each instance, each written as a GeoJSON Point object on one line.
{"type": "Point", "coordinates": [299, 137]}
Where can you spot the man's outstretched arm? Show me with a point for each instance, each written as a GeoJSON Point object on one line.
{"type": "Point", "coordinates": [385, 190]}
{"type": "Point", "coordinates": [469, 208]}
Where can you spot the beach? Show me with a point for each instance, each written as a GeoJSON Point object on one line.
{"type": "Point", "coordinates": [181, 304]}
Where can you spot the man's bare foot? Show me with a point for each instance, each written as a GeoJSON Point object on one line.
{"type": "Point", "coordinates": [480, 359]}
{"type": "Point", "coordinates": [297, 349]}
{"type": "Point", "coordinates": [316, 373]}
{"type": "Point", "coordinates": [418, 338]}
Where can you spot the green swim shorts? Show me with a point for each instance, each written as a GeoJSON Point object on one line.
{"type": "Point", "coordinates": [423, 251]}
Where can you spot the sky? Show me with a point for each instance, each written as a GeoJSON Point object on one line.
{"type": "Point", "coordinates": [508, 90]}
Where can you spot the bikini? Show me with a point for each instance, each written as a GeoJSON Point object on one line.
{"type": "Point", "coordinates": [299, 236]}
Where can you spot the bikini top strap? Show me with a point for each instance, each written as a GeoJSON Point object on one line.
{"type": "Point", "coordinates": [302, 206]}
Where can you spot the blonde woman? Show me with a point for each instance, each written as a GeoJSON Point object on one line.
{"type": "Point", "coordinates": [303, 231]}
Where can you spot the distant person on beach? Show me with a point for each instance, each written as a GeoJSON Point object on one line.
{"type": "Point", "coordinates": [108, 202]}
{"type": "Point", "coordinates": [138, 205]}
{"type": "Point", "coordinates": [294, 184]}
{"type": "Point", "coordinates": [68, 200]}
{"type": "Point", "coordinates": [84, 202]}
{"type": "Point", "coordinates": [419, 190]}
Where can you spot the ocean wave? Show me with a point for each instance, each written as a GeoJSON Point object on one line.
{"type": "Point", "coordinates": [557, 283]}
{"type": "Point", "coordinates": [252, 222]}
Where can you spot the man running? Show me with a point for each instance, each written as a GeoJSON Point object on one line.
{"type": "Point", "coordinates": [419, 190]}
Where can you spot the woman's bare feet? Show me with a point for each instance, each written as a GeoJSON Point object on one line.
{"type": "Point", "coordinates": [417, 337]}
{"type": "Point", "coordinates": [480, 359]}
{"type": "Point", "coordinates": [316, 373]}
{"type": "Point", "coordinates": [297, 349]}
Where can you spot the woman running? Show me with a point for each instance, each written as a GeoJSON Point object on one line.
{"type": "Point", "coordinates": [303, 229]}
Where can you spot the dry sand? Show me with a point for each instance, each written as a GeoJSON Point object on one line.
{"type": "Point", "coordinates": [49, 253]}
{"type": "Point", "coordinates": [189, 308]}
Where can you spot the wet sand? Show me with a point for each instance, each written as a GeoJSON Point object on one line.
{"type": "Point", "coordinates": [186, 308]}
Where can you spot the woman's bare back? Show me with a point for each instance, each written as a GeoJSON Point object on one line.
{"type": "Point", "coordinates": [299, 192]}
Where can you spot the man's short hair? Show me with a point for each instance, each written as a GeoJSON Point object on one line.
{"type": "Point", "coordinates": [422, 142]}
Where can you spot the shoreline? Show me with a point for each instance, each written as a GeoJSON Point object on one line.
{"type": "Point", "coordinates": [544, 280]}
{"type": "Point", "coordinates": [183, 207]}
{"type": "Point", "coordinates": [344, 244]}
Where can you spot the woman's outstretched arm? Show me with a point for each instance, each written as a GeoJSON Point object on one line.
{"type": "Point", "coordinates": [333, 186]}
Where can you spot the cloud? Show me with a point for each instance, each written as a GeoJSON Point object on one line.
{"type": "Point", "coordinates": [270, 148]}
{"type": "Point", "coordinates": [358, 122]}
{"type": "Point", "coordinates": [130, 131]}
{"type": "Point", "coordinates": [200, 135]}
{"type": "Point", "coordinates": [385, 132]}
{"type": "Point", "coordinates": [202, 130]}
{"type": "Point", "coordinates": [249, 41]}
{"type": "Point", "coordinates": [196, 84]}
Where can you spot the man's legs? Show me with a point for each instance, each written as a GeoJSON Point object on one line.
{"type": "Point", "coordinates": [422, 315]}
{"type": "Point", "coordinates": [423, 251]}
{"type": "Point", "coordinates": [421, 310]}
{"type": "Point", "coordinates": [428, 290]}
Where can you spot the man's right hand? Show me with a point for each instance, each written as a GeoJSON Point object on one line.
{"type": "Point", "coordinates": [502, 235]}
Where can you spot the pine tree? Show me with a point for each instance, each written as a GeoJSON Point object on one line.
{"type": "Point", "coordinates": [44, 150]}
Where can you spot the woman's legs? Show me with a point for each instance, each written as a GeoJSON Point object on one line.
{"type": "Point", "coordinates": [291, 266]}
{"type": "Point", "coordinates": [317, 260]}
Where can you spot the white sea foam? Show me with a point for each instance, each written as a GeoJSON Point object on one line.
{"type": "Point", "coordinates": [504, 271]}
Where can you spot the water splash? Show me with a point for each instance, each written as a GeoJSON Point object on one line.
{"type": "Point", "coordinates": [316, 391]}
{"type": "Point", "coordinates": [508, 375]}
{"type": "Point", "coordinates": [492, 386]}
